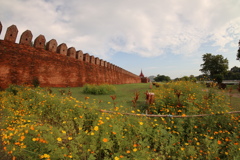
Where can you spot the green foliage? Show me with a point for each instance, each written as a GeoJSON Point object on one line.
{"type": "Point", "coordinates": [233, 74]}
{"type": "Point", "coordinates": [214, 64]}
{"type": "Point", "coordinates": [38, 125]}
{"type": "Point", "coordinates": [99, 89]}
{"type": "Point", "coordinates": [162, 78]}
{"type": "Point", "coordinates": [218, 78]}
{"type": "Point", "coordinates": [186, 78]}
{"type": "Point", "coordinates": [235, 69]}
{"type": "Point", "coordinates": [13, 89]}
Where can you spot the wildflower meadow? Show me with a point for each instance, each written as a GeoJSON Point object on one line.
{"type": "Point", "coordinates": [186, 121]}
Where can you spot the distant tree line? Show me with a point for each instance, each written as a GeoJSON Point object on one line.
{"type": "Point", "coordinates": [232, 74]}
{"type": "Point", "coordinates": [214, 67]}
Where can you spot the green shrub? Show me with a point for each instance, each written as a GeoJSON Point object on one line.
{"type": "Point", "coordinates": [13, 89]}
{"type": "Point", "coordinates": [99, 89]}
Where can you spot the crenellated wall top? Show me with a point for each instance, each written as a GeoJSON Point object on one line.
{"type": "Point", "coordinates": [52, 46]}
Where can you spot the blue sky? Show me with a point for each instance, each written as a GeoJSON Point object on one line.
{"type": "Point", "coordinates": [165, 37]}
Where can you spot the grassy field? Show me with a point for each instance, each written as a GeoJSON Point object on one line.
{"type": "Point", "coordinates": [235, 96]}
{"type": "Point", "coordinates": [124, 95]}
{"type": "Point", "coordinates": [235, 103]}
{"type": "Point", "coordinates": [126, 92]}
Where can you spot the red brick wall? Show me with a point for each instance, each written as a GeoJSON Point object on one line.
{"type": "Point", "coordinates": [19, 64]}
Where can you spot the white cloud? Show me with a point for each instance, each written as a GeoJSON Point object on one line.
{"type": "Point", "coordinates": [227, 34]}
{"type": "Point", "coordinates": [148, 28]}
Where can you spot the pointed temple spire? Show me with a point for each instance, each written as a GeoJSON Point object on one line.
{"type": "Point", "coordinates": [141, 75]}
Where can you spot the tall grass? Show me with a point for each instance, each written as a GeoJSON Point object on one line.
{"type": "Point", "coordinates": [98, 89]}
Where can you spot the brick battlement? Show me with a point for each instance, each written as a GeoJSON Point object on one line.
{"type": "Point", "coordinates": [52, 64]}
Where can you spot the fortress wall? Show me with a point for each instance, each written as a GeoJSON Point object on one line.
{"type": "Point", "coordinates": [52, 64]}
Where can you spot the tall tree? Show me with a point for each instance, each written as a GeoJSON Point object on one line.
{"type": "Point", "coordinates": [161, 78]}
{"type": "Point", "coordinates": [214, 65]}
{"type": "Point", "coordinates": [235, 69]}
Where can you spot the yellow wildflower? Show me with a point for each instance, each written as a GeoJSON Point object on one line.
{"type": "Point", "coordinates": [45, 156]}
{"type": "Point", "coordinates": [95, 128]}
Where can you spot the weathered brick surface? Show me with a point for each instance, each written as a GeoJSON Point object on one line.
{"type": "Point", "coordinates": [92, 59]}
{"type": "Point", "coordinates": [39, 42]}
{"type": "Point", "coordinates": [51, 45]}
{"type": "Point", "coordinates": [97, 61]}
{"type": "Point", "coordinates": [71, 52]}
{"type": "Point", "coordinates": [86, 57]}
{"type": "Point", "coordinates": [62, 49]}
{"type": "Point", "coordinates": [19, 64]}
{"type": "Point", "coordinates": [11, 34]}
{"type": "Point", "coordinates": [53, 65]}
{"type": "Point", "coordinates": [26, 38]}
{"type": "Point", "coordinates": [79, 55]}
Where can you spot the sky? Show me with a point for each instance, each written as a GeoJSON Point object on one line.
{"type": "Point", "coordinates": [165, 37]}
